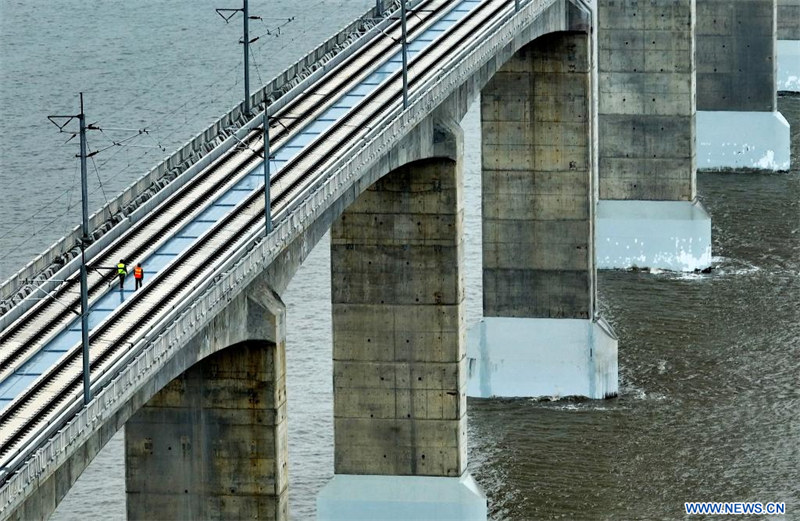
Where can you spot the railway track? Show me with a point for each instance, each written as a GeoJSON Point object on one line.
{"type": "Point", "coordinates": [26, 336]}
{"type": "Point", "coordinates": [61, 384]}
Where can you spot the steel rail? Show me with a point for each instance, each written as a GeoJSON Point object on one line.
{"type": "Point", "coordinates": [159, 345]}
{"type": "Point", "coordinates": [308, 111]}
{"type": "Point", "coordinates": [302, 118]}
{"type": "Point", "coordinates": [69, 360]}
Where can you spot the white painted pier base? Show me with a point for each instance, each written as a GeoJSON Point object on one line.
{"type": "Point", "coordinates": [668, 235]}
{"type": "Point", "coordinates": [398, 498]}
{"type": "Point", "coordinates": [731, 140]}
{"type": "Point", "coordinates": [789, 65]}
{"type": "Point", "coordinates": [541, 357]}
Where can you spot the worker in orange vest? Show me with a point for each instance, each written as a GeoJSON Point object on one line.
{"type": "Point", "coordinates": [138, 275]}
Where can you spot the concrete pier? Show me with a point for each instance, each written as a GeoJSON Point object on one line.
{"type": "Point", "coordinates": [789, 45]}
{"type": "Point", "coordinates": [668, 235]}
{"type": "Point", "coordinates": [738, 125]}
{"type": "Point", "coordinates": [538, 237]}
{"type": "Point", "coordinates": [213, 443]}
{"type": "Point", "coordinates": [399, 356]}
{"type": "Point", "coordinates": [648, 215]}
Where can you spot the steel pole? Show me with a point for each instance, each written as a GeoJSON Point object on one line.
{"type": "Point", "coordinates": [378, 8]}
{"type": "Point", "coordinates": [516, 5]}
{"type": "Point", "coordinates": [246, 58]}
{"type": "Point", "coordinates": [267, 201]}
{"type": "Point", "coordinates": [405, 54]}
{"type": "Point", "coordinates": [87, 393]}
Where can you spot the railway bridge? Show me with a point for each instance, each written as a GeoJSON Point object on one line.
{"type": "Point", "coordinates": [192, 365]}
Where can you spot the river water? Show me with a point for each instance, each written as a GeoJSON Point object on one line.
{"type": "Point", "coordinates": [709, 407]}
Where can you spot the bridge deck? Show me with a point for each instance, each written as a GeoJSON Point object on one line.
{"type": "Point", "coordinates": [186, 238]}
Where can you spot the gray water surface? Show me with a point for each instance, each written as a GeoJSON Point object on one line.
{"type": "Point", "coordinates": [709, 407]}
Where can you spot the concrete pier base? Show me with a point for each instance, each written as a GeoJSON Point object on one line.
{"type": "Point", "coordinates": [733, 140]}
{"type": "Point", "coordinates": [363, 497]}
{"type": "Point", "coordinates": [668, 235]}
{"type": "Point", "coordinates": [540, 357]}
{"type": "Point", "coordinates": [789, 65]}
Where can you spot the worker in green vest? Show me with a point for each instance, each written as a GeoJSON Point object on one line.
{"type": "Point", "coordinates": [121, 272]}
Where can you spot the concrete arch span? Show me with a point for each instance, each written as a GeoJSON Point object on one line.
{"type": "Point", "coordinates": [181, 463]}
{"type": "Point", "coordinates": [400, 356]}
{"type": "Point", "coordinates": [170, 422]}
{"type": "Point", "coordinates": [539, 186]}
{"type": "Point", "coordinates": [213, 442]}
